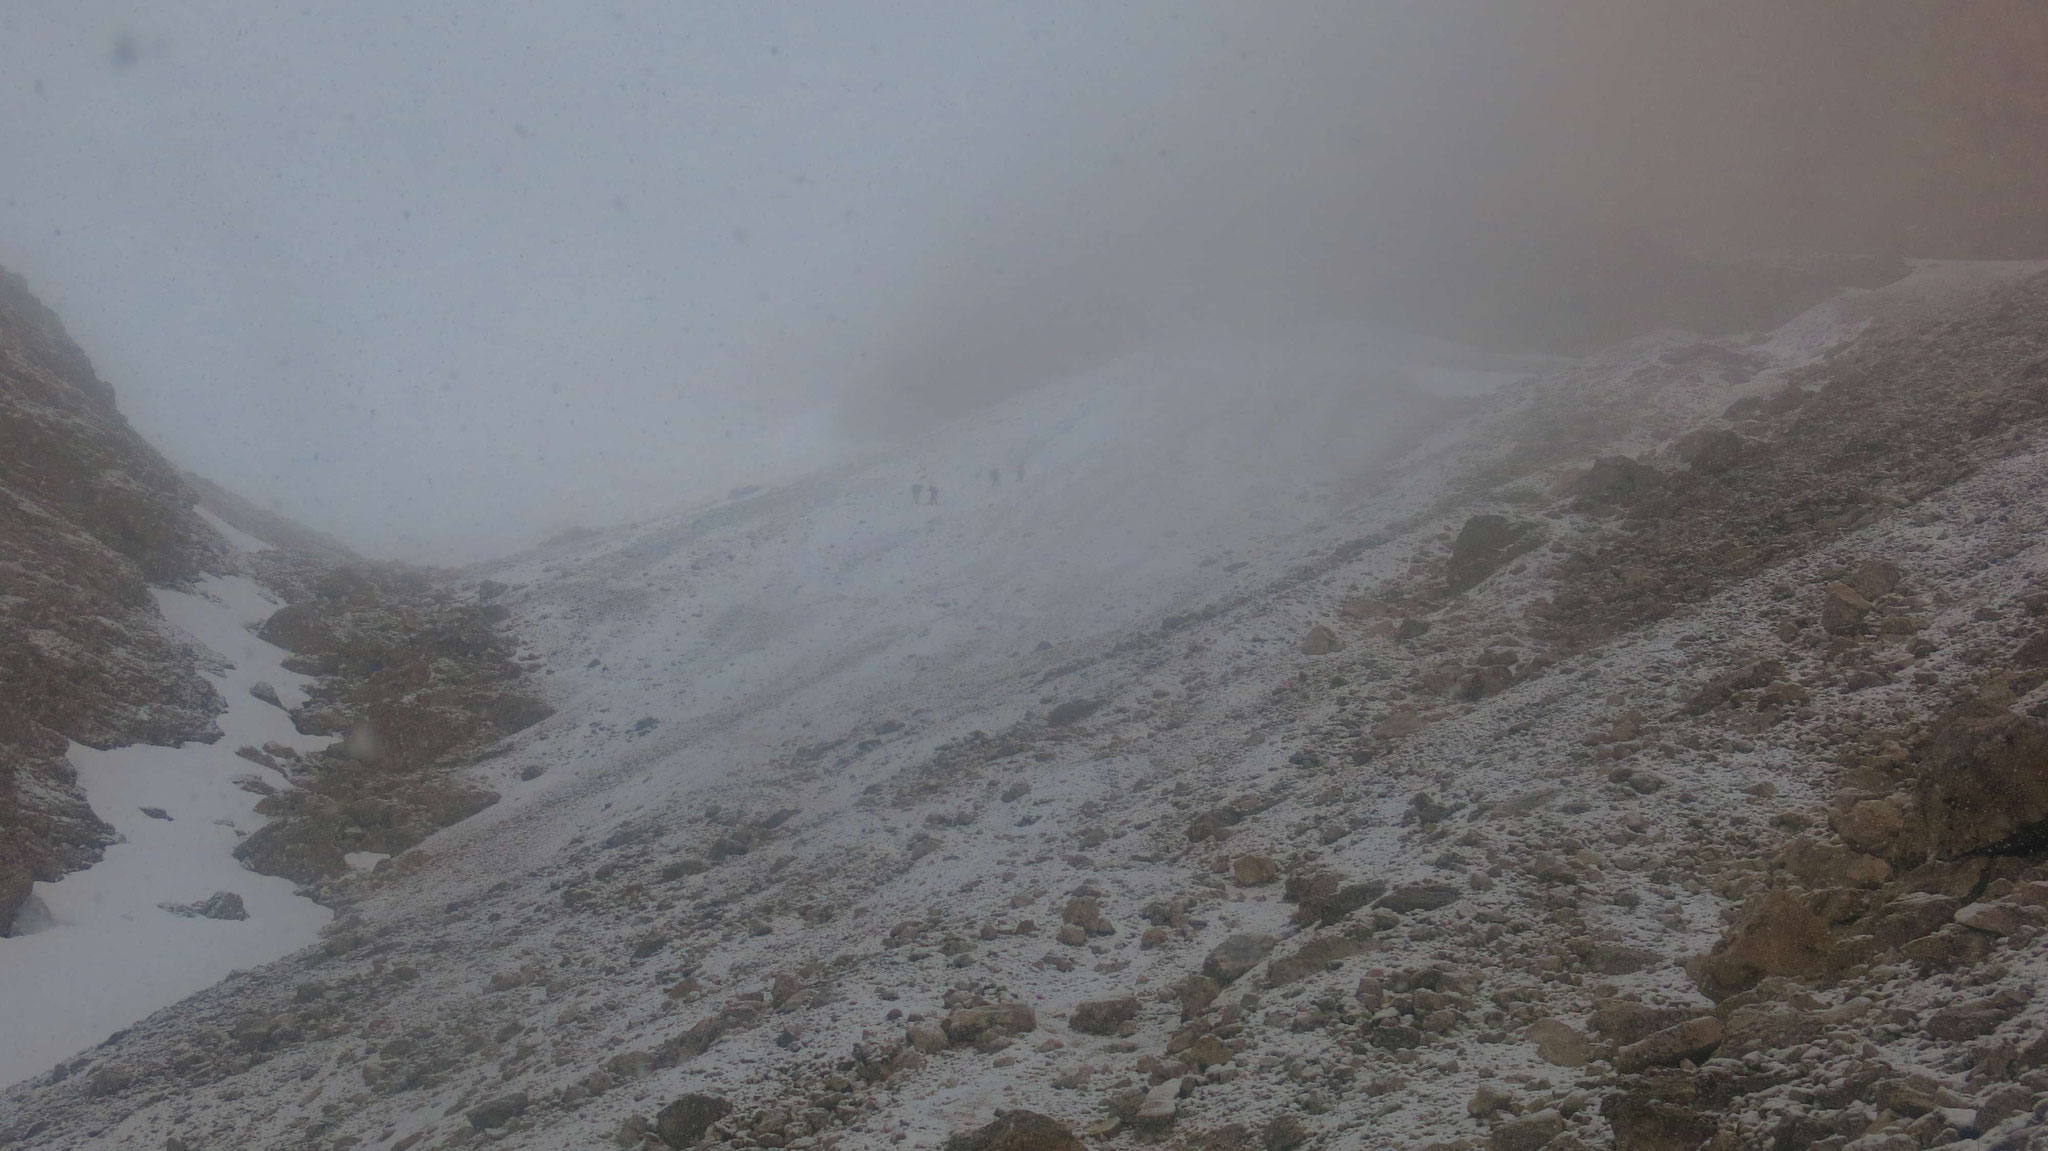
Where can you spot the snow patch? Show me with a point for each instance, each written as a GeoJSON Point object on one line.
{"type": "Point", "coordinates": [100, 952]}
{"type": "Point", "coordinates": [242, 540]}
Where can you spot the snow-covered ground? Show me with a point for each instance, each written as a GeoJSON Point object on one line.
{"type": "Point", "coordinates": [95, 952]}
{"type": "Point", "coordinates": [230, 532]}
{"type": "Point", "coordinates": [1094, 504]}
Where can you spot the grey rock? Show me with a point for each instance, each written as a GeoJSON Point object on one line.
{"type": "Point", "coordinates": [1529, 1132]}
{"type": "Point", "coordinates": [683, 1122]}
{"type": "Point", "coordinates": [1103, 1016]}
{"type": "Point", "coordinates": [497, 1112]}
{"type": "Point", "coordinates": [1237, 955]}
{"type": "Point", "coordinates": [1693, 1039]}
{"type": "Point", "coordinates": [1160, 1105]}
{"type": "Point", "coordinates": [219, 905]}
{"type": "Point", "coordinates": [1419, 897]}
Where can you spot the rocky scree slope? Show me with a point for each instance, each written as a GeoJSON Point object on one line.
{"type": "Point", "coordinates": [1651, 759]}
{"type": "Point", "coordinates": [418, 677]}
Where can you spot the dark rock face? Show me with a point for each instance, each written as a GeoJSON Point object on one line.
{"type": "Point", "coordinates": [15, 886]}
{"type": "Point", "coordinates": [1643, 1122]}
{"type": "Point", "coordinates": [219, 905]}
{"type": "Point", "coordinates": [1103, 1016]}
{"type": "Point", "coordinates": [1327, 898]}
{"type": "Point", "coordinates": [1237, 955]}
{"type": "Point", "coordinates": [1420, 897]}
{"type": "Point", "coordinates": [1778, 933]}
{"type": "Point", "coordinates": [90, 516]}
{"type": "Point", "coordinates": [1073, 711]}
{"type": "Point", "coordinates": [1313, 957]}
{"type": "Point", "coordinates": [497, 1112]}
{"type": "Point", "coordinates": [1617, 481]}
{"type": "Point", "coordinates": [1485, 545]}
{"type": "Point", "coordinates": [1017, 1131]}
{"type": "Point", "coordinates": [685, 1121]}
{"type": "Point", "coordinates": [1984, 781]}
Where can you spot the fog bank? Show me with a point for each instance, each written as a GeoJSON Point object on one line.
{"type": "Point", "coordinates": [442, 282]}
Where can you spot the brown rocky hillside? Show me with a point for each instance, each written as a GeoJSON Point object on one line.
{"type": "Point", "coordinates": [90, 517]}
{"type": "Point", "coordinates": [415, 672]}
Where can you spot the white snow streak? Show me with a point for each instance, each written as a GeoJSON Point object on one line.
{"type": "Point", "coordinates": [97, 952]}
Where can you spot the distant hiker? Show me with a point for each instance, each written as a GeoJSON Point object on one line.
{"type": "Point", "coordinates": [995, 477]}
{"type": "Point", "coordinates": [933, 491]}
{"type": "Point", "coordinates": [917, 493]}
{"type": "Point", "coordinates": [1020, 473]}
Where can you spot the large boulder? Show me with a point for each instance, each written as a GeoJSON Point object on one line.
{"type": "Point", "coordinates": [1237, 955]}
{"type": "Point", "coordinates": [1777, 933]}
{"type": "Point", "coordinates": [1693, 1039]}
{"type": "Point", "coordinates": [1975, 1018]}
{"type": "Point", "coordinates": [1842, 610]}
{"type": "Point", "coordinates": [1816, 864]}
{"type": "Point", "coordinates": [221, 905]}
{"type": "Point", "coordinates": [1485, 545]}
{"type": "Point", "coordinates": [1624, 1021]}
{"type": "Point", "coordinates": [1420, 897]}
{"type": "Point", "coordinates": [1320, 640]}
{"type": "Point", "coordinates": [969, 1024]}
{"type": "Point", "coordinates": [1713, 452]}
{"type": "Point", "coordinates": [1327, 898]}
{"type": "Point", "coordinates": [1103, 1016]}
{"type": "Point", "coordinates": [1617, 480]}
{"type": "Point", "coordinates": [1983, 781]}
{"type": "Point", "coordinates": [1527, 1132]}
{"type": "Point", "coordinates": [498, 1111]}
{"type": "Point", "coordinates": [1559, 1043]}
{"type": "Point", "coordinates": [1017, 1130]}
{"type": "Point", "coordinates": [1769, 1027]}
{"type": "Point", "coordinates": [1643, 1122]}
{"type": "Point", "coordinates": [1311, 958]}
{"type": "Point", "coordinates": [685, 1121]}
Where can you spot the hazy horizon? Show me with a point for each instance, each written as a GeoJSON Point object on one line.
{"type": "Point", "coordinates": [442, 283]}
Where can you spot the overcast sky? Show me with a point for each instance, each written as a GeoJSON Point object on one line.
{"type": "Point", "coordinates": [442, 278]}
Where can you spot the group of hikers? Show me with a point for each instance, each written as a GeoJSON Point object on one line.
{"type": "Point", "coordinates": [927, 494]}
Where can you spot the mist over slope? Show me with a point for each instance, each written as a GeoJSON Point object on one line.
{"type": "Point", "coordinates": [1605, 760]}
{"type": "Point", "coordinates": [152, 744]}
{"type": "Point", "coordinates": [1443, 574]}
{"type": "Point", "coordinates": [1081, 507]}
{"type": "Point", "coordinates": [446, 283]}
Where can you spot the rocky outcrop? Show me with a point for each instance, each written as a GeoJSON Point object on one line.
{"type": "Point", "coordinates": [1983, 782]}
{"type": "Point", "coordinates": [418, 679]}
{"type": "Point", "coordinates": [1484, 545]}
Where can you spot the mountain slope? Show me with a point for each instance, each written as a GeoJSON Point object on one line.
{"type": "Point", "coordinates": [90, 516]}
{"type": "Point", "coordinates": [1644, 753]}
{"type": "Point", "coordinates": [151, 743]}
